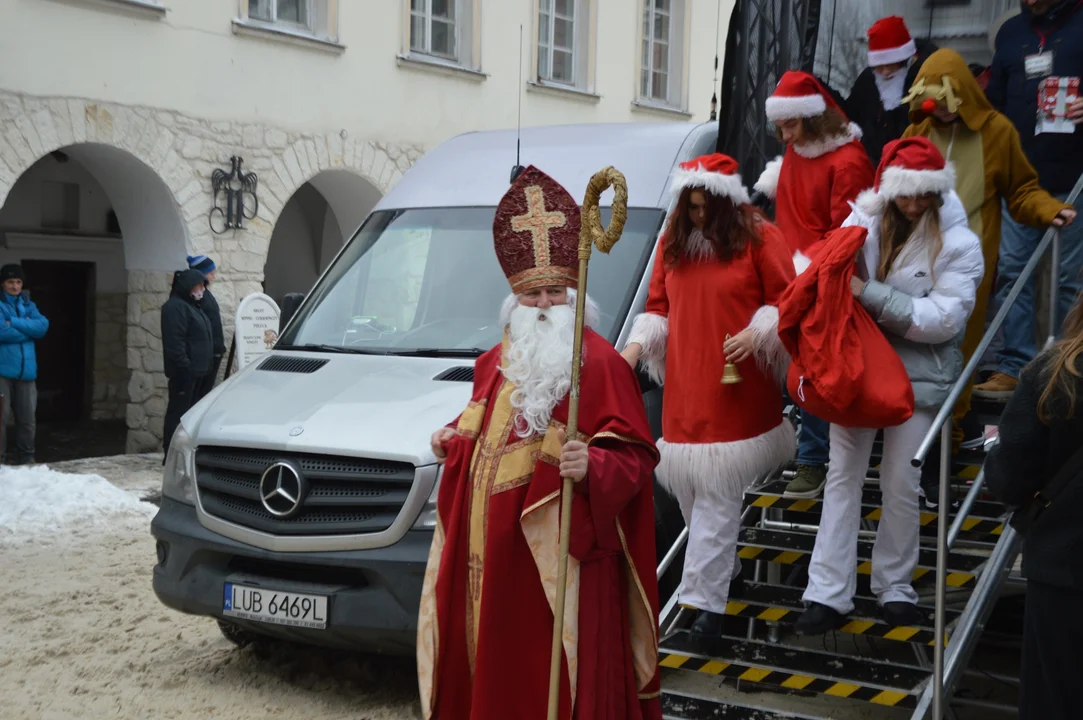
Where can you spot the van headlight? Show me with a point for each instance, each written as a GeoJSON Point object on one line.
{"type": "Point", "coordinates": [427, 519]}
{"type": "Point", "coordinates": [178, 476]}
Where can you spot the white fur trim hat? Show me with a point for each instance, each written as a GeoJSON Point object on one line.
{"type": "Point", "coordinates": [798, 95]}
{"type": "Point", "coordinates": [908, 167]}
{"type": "Point", "coordinates": [715, 173]}
{"type": "Point", "coordinates": [890, 42]}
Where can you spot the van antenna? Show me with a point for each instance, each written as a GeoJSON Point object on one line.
{"type": "Point", "coordinates": [517, 169]}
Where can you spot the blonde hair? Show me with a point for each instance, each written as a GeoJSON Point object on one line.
{"type": "Point", "coordinates": [1058, 399]}
{"type": "Point", "coordinates": [896, 229]}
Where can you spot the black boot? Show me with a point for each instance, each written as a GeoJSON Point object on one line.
{"type": "Point", "coordinates": [818, 619]}
{"type": "Point", "coordinates": [902, 614]}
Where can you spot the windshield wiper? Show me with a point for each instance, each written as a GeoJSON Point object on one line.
{"type": "Point", "coordinates": [440, 352]}
{"type": "Point", "coordinates": [330, 349]}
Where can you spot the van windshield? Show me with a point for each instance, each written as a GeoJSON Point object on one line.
{"type": "Point", "coordinates": [427, 281]}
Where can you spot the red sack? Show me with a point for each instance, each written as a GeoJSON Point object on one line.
{"type": "Point", "coordinates": [842, 370]}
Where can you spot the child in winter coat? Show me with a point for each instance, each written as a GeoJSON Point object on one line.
{"type": "Point", "coordinates": [917, 275]}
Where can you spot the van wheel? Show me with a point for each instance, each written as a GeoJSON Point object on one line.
{"type": "Point", "coordinates": [236, 634]}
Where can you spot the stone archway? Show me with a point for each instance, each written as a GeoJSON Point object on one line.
{"type": "Point", "coordinates": [320, 217]}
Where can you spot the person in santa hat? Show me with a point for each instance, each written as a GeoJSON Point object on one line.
{"type": "Point", "coordinates": [918, 276]}
{"type": "Point", "coordinates": [719, 270]}
{"type": "Point", "coordinates": [875, 101]}
{"type": "Point", "coordinates": [813, 183]}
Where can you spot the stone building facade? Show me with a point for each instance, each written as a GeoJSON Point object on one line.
{"type": "Point", "coordinates": [180, 153]}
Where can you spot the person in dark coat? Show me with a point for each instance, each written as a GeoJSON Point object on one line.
{"type": "Point", "coordinates": [1039, 432]}
{"type": "Point", "coordinates": [209, 304]}
{"type": "Point", "coordinates": [21, 324]}
{"type": "Point", "coordinates": [187, 346]}
{"type": "Point", "coordinates": [875, 101]}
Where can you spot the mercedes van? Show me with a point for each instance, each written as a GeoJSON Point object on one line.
{"type": "Point", "coordinates": [298, 496]}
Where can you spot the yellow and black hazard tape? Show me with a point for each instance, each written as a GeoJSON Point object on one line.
{"type": "Point", "coordinates": [794, 557]}
{"type": "Point", "coordinates": [788, 680]}
{"type": "Point", "coordinates": [853, 627]}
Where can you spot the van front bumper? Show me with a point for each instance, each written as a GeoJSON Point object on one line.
{"type": "Point", "coordinates": [373, 595]}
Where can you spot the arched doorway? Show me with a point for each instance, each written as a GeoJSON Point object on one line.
{"type": "Point", "coordinates": [313, 226]}
{"type": "Point", "coordinates": [92, 224]}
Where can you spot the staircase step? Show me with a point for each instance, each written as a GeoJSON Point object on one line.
{"type": "Point", "coordinates": [790, 669]}
{"type": "Point", "coordinates": [771, 496]}
{"type": "Point", "coordinates": [795, 548]}
{"type": "Point", "coordinates": [783, 604]}
{"type": "Point", "coordinates": [679, 706]}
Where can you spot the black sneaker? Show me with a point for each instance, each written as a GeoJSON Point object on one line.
{"type": "Point", "coordinates": [973, 432]}
{"type": "Point", "coordinates": [707, 625]}
{"type": "Point", "coordinates": [902, 614]}
{"type": "Point", "coordinates": [929, 484]}
{"type": "Point", "coordinates": [818, 619]}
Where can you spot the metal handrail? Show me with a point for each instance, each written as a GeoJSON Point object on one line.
{"type": "Point", "coordinates": [940, 425]}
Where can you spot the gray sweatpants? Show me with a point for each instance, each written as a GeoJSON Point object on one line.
{"type": "Point", "coordinates": [20, 410]}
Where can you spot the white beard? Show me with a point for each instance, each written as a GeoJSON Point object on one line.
{"type": "Point", "coordinates": [539, 363]}
{"type": "Point", "coordinates": [892, 87]}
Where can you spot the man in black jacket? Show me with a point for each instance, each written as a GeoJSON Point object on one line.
{"type": "Point", "coordinates": [1044, 41]}
{"type": "Point", "coordinates": [187, 347]}
{"type": "Point", "coordinates": [875, 101]}
{"type": "Point", "coordinates": [205, 265]}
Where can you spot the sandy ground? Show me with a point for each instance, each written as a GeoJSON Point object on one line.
{"type": "Point", "coordinates": [83, 636]}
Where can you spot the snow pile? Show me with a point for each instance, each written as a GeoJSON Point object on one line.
{"type": "Point", "coordinates": [38, 501]}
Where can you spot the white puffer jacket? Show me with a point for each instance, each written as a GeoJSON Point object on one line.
{"type": "Point", "coordinates": [923, 306]}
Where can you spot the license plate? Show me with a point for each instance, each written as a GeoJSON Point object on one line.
{"type": "Point", "coordinates": [275, 606]}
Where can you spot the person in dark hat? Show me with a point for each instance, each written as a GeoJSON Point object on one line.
{"type": "Point", "coordinates": [209, 305]}
{"type": "Point", "coordinates": [187, 347]}
{"type": "Point", "coordinates": [21, 323]}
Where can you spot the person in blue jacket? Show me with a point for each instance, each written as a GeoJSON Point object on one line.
{"type": "Point", "coordinates": [22, 324]}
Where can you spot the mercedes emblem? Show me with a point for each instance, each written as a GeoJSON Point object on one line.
{"type": "Point", "coordinates": [282, 489]}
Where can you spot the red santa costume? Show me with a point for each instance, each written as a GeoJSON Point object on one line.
{"type": "Point", "coordinates": [814, 183]}
{"type": "Point", "coordinates": [717, 439]}
{"type": "Point", "coordinates": [485, 625]}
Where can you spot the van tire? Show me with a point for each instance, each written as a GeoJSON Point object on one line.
{"type": "Point", "coordinates": [236, 634]}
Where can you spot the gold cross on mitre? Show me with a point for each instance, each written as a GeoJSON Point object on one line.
{"type": "Point", "coordinates": [538, 221]}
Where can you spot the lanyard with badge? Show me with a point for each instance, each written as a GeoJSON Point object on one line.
{"type": "Point", "coordinates": [1055, 94]}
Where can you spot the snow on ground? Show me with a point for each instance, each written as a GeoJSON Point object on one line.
{"type": "Point", "coordinates": [85, 637]}
{"type": "Point", "coordinates": [40, 501]}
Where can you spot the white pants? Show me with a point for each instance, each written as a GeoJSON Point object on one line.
{"type": "Point", "coordinates": [833, 569]}
{"type": "Point", "coordinates": [713, 517]}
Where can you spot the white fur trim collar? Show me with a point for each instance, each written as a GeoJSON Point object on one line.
{"type": "Point", "coordinates": [831, 144]}
{"type": "Point", "coordinates": [768, 181]}
{"type": "Point", "coordinates": [729, 186]}
{"type": "Point", "coordinates": [788, 108]}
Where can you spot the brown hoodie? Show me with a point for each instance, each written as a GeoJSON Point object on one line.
{"type": "Point", "coordinates": [989, 165]}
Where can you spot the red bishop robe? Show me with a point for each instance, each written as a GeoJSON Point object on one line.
{"type": "Point", "coordinates": [813, 187]}
{"type": "Point", "coordinates": [486, 622]}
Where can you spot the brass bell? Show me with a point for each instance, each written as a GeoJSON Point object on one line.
{"type": "Point", "coordinates": [730, 373]}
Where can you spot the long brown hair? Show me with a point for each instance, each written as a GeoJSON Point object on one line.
{"type": "Point", "coordinates": [896, 229]}
{"type": "Point", "coordinates": [1063, 371]}
{"type": "Point", "coordinates": [828, 124]}
{"type": "Point", "coordinates": [730, 228]}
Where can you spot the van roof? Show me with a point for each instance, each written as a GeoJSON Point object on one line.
{"type": "Point", "coordinates": [473, 169]}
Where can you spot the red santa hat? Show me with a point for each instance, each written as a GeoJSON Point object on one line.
{"type": "Point", "coordinates": [716, 173]}
{"type": "Point", "coordinates": [908, 167]}
{"type": "Point", "coordinates": [798, 95]}
{"type": "Point", "coordinates": [890, 42]}
{"type": "Point", "coordinates": [536, 233]}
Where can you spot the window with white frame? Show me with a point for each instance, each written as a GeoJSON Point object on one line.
{"type": "Point", "coordinates": [662, 57]}
{"type": "Point", "coordinates": [309, 17]}
{"type": "Point", "coordinates": [443, 29]}
{"type": "Point", "coordinates": [564, 42]}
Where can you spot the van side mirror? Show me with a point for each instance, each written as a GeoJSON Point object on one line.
{"type": "Point", "coordinates": [290, 303]}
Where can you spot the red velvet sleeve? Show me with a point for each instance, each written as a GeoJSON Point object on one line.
{"type": "Point", "coordinates": [774, 263]}
{"type": "Point", "coordinates": [657, 300]}
{"type": "Point", "coordinates": [847, 182]}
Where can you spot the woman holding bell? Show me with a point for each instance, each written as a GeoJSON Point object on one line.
{"type": "Point", "coordinates": [719, 270]}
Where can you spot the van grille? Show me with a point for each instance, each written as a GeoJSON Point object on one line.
{"type": "Point", "coordinates": [346, 495]}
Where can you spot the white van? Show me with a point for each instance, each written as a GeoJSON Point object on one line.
{"type": "Point", "coordinates": [298, 497]}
